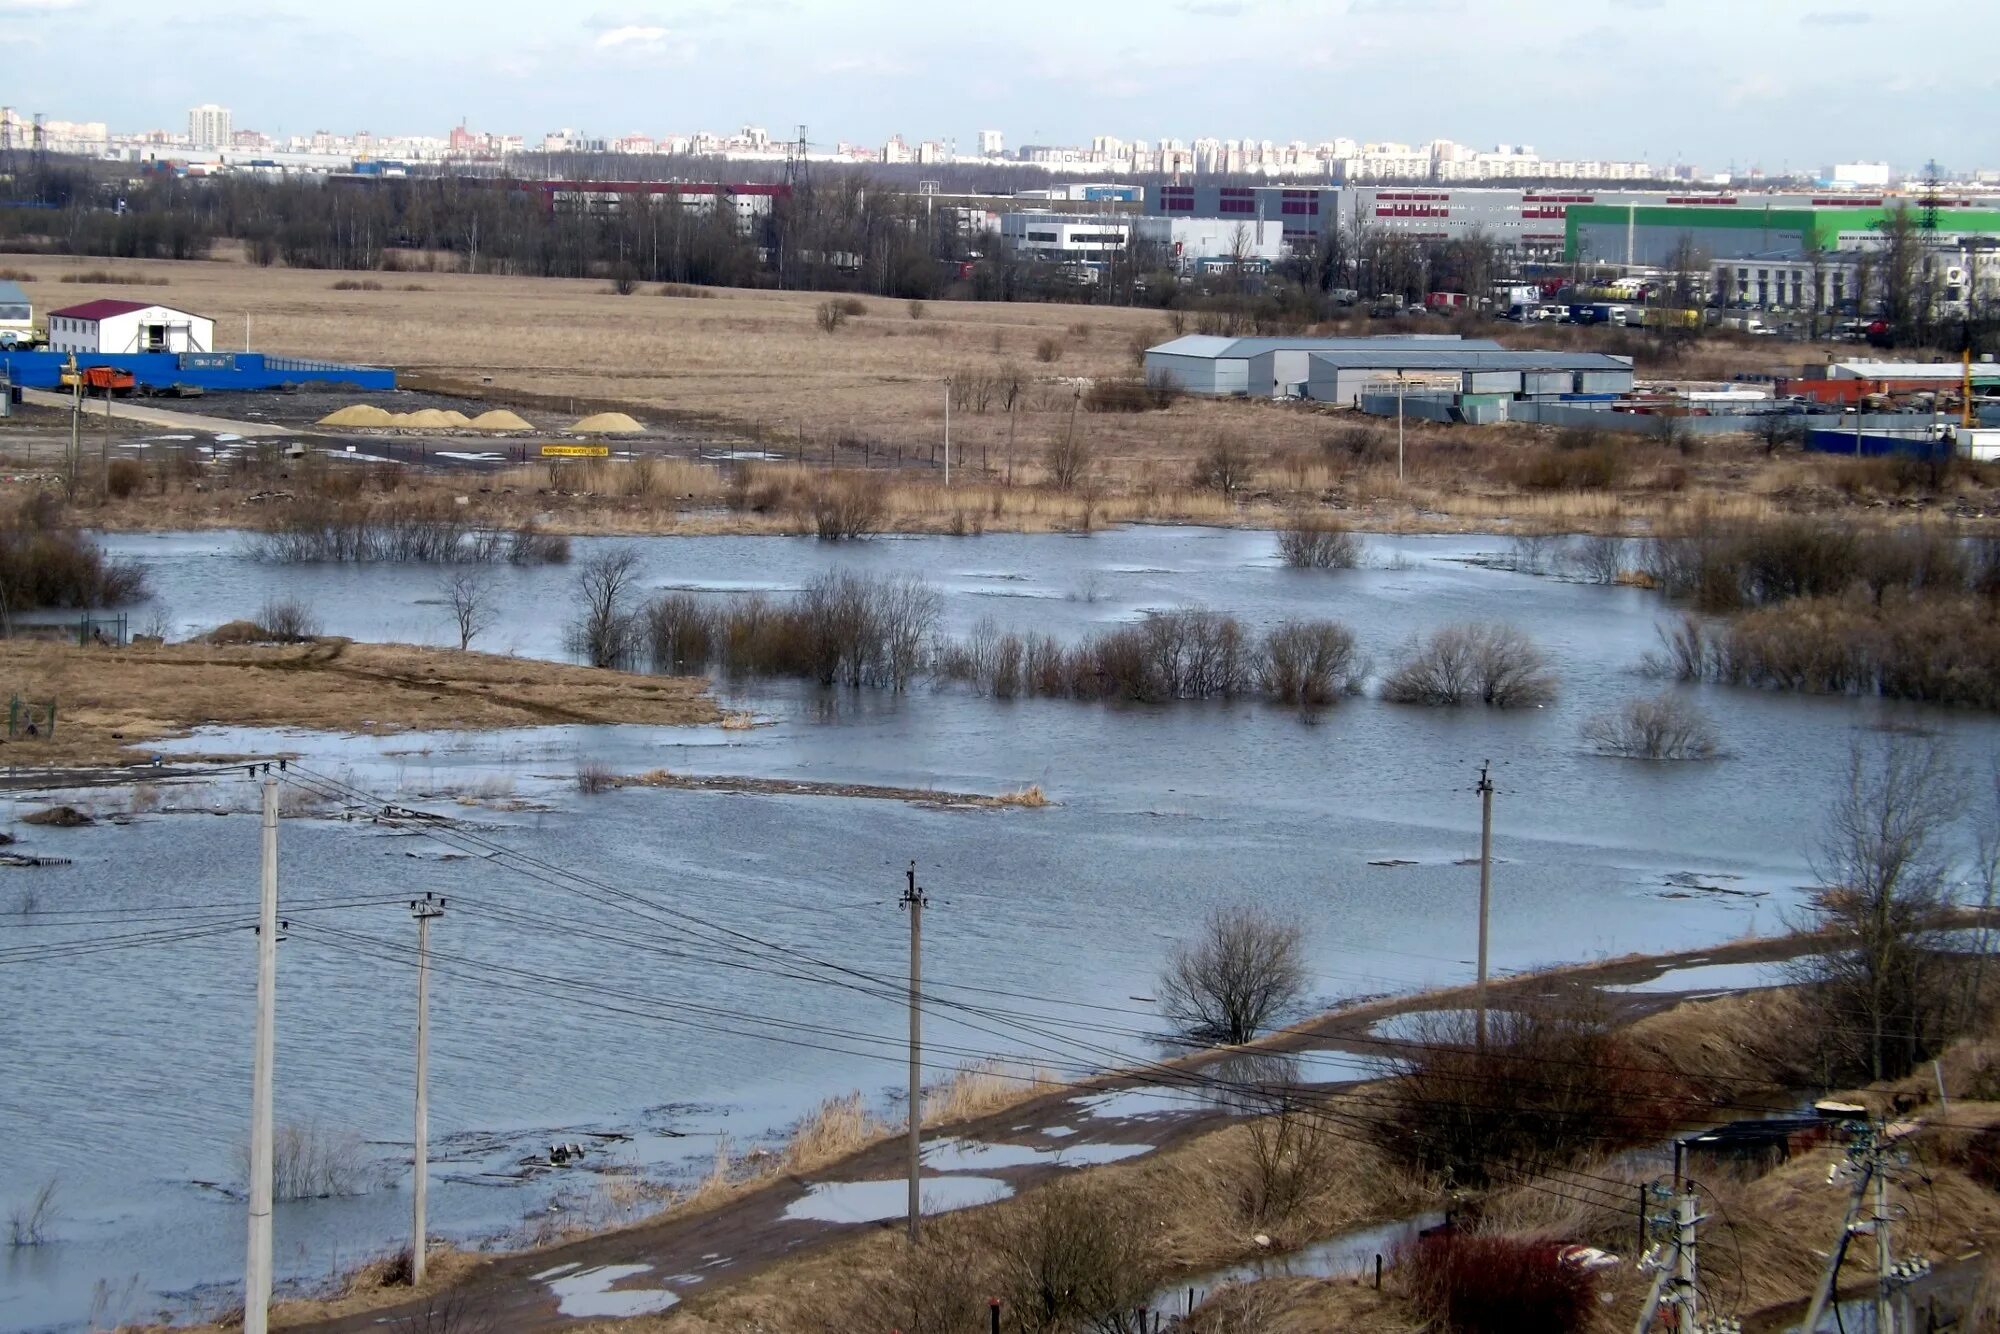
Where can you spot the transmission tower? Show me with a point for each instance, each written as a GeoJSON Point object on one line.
{"type": "Point", "coordinates": [1929, 202]}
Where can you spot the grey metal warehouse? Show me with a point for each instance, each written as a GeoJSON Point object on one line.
{"type": "Point", "coordinates": [1340, 375]}
{"type": "Point", "coordinates": [1267, 367]}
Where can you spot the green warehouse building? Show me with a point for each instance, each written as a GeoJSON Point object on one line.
{"type": "Point", "coordinates": [1648, 234]}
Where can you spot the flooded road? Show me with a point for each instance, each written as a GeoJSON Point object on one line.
{"type": "Point", "coordinates": [558, 1015]}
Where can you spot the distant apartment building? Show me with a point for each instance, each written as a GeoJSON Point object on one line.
{"type": "Point", "coordinates": [991, 143]}
{"type": "Point", "coordinates": [209, 126]}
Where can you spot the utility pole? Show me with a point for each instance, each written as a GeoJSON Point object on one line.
{"type": "Point", "coordinates": [914, 900]}
{"type": "Point", "coordinates": [1685, 1292]}
{"type": "Point", "coordinates": [947, 434]}
{"type": "Point", "coordinates": [1399, 428]}
{"type": "Point", "coordinates": [424, 910]}
{"type": "Point", "coordinates": [1485, 790]}
{"type": "Point", "coordinates": [257, 1262]}
{"type": "Point", "coordinates": [1885, 1319]}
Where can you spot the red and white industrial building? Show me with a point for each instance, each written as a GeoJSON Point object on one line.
{"type": "Point", "coordinates": [109, 327]}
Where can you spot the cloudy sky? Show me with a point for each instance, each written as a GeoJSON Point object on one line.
{"type": "Point", "coordinates": [1776, 83]}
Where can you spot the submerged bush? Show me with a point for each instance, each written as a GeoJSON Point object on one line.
{"type": "Point", "coordinates": [1310, 663]}
{"type": "Point", "coordinates": [1663, 727]}
{"type": "Point", "coordinates": [1936, 649]}
{"type": "Point", "coordinates": [432, 531]}
{"type": "Point", "coordinates": [1721, 567]}
{"type": "Point", "coordinates": [1309, 541]}
{"type": "Point", "coordinates": [46, 563]}
{"type": "Point", "coordinates": [1485, 663]}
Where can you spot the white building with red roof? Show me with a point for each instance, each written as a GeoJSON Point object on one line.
{"type": "Point", "coordinates": [107, 326]}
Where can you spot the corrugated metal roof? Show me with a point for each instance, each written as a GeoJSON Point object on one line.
{"type": "Point", "coordinates": [1471, 359]}
{"type": "Point", "coordinates": [101, 309]}
{"type": "Point", "coordinates": [1216, 345]}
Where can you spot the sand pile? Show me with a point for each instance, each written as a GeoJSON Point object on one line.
{"type": "Point", "coordinates": [499, 420]}
{"type": "Point", "coordinates": [361, 414]}
{"type": "Point", "coordinates": [457, 418]}
{"type": "Point", "coordinates": [608, 423]}
{"type": "Point", "coordinates": [426, 419]}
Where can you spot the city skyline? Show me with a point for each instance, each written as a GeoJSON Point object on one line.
{"type": "Point", "coordinates": [1687, 81]}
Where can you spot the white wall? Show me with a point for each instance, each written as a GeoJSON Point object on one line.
{"type": "Point", "coordinates": [182, 332]}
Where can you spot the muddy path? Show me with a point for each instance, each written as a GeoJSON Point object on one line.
{"type": "Point", "coordinates": [648, 1267]}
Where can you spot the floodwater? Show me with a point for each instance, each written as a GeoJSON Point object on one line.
{"type": "Point", "coordinates": [560, 1016]}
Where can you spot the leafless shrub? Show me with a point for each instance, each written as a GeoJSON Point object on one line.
{"type": "Point", "coordinates": [1164, 388]}
{"type": "Point", "coordinates": [916, 309]}
{"type": "Point", "coordinates": [1552, 1082]}
{"type": "Point", "coordinates": [1308, 540]}
{"type": "Point", "coordinates": [1113, 393]}
{"type": "Point", "coordinates": [594, 776]}
{"type": "Point", "coordinates": [680, 632]}
{"type": "Point", "coordinates": [288, 621]}
{"type": "Point", "coordinates": [845, 507]}
{"type": "Point", "coordinates": [1047, 350]}
{"type": "Point", "coordinates": [1227, 984]}
{"type": "Point", "coordinates": [829, 315]}
{"type": "Point", "coordinates": [1074, 1255]}
{"type": "Point", "coordinates": [941, 1287]}
{"type": "Point", "coordinates": [1473, 1284]}
{"type": "Point", "coordinates": [605, 633]}
{"type": "Point", "coordinates": [1068, 458]}
{"type": "Point", "coordinates": [1310, 663]}
{"type": "Point", "coordinates": [1662, 727]}
{"type": "Point", "coordinates": [32, 1222]}
{"type": "Point", "coordinates": [528, 545]}
{"type": "Point", "coordinates": [1291, 1162]}
{"type": "Point", "coordinates": [312, 1161]}
{"type": "Point", "coordinates": [1484, 663]}
{"type": "Point", "coordinates": [46, 563]}
{"type": "Point", "coordinates": [1531, 553]}
{"type": "Point", "coordinates": [1224, 466]}
{"type": "Point", "coordinates": [1596, 558]}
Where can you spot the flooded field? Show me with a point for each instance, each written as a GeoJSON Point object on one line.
{"type": "Point", "coordinates": [560, 1017]}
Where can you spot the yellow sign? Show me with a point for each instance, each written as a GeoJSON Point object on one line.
{"type": "Point", "coordinates": [576, 451]}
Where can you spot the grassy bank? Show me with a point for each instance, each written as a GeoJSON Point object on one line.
{"type": "Point", "coordinates": [111, 703]}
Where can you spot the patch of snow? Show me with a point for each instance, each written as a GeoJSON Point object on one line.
{"type": "Point", "coordinates": [588, 1294]}
{"type": "Point", "coordinates": [880, 1201]}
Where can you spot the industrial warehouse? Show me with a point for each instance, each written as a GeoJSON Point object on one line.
{"type": "Point", "coordinates": [1340, 370]}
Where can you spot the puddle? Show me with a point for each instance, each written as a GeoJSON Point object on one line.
{"type": "Point", "coordinates": [588, 1293]}
{"type": "Point", "coordinates": [1423, 1025]}
{"type": "Point", "coordinates": [964, 1155]}
{"type": "Point", "coordinates": [880, 1201]}
{"type": "Point", "coordinates": [1137, 1103]}
{"type": "Point", "coordinates": [1344, 1256]}
{"type": "Point", "coordinates": [1709, 977]}
{"type": "Point", "coordinates": [1335, 1065]}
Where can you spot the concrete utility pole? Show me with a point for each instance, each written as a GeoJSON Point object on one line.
{"type": "Point", "coordinates": [1686, 1294]}
{"type": "Point", "coordinates": [1485, 790]}
{"type": "Point", "coordinates": [1885, 1317]}
{"type": "Point", "coordinates": [947, 434]}
{"type": "Point", "coordinates": [1399, 428]}
{"type": "Point", "coordinates": [914, 900]}
{"type": "Point", "coordinates": [424, 910]}
{"type": "Point", "coordinates": [257, 1263]}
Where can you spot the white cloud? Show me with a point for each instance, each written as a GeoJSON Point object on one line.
{"type": "Point", "coordinates": [37, 6]}
{"type": "Point", "coordinates": [632, 34]}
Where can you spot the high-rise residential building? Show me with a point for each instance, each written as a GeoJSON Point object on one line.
{"type": "Point", "coordinates": [991, 143]}
{"type": "Point", "coordinates": [209, 126]}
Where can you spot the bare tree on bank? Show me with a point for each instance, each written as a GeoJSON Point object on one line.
{"type": "Point", "coordinates": [605, 633]}
{"type": "Point", "coordinates": [1883, 867]}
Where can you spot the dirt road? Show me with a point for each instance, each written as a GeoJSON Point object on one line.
{"type": "Point", "coordinates": [162, 417]}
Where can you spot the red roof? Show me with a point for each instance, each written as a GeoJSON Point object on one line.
{"type": "Point", "coordinates": [102, 309]}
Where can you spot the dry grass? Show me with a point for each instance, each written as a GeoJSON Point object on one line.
{"type": "Point", "coordinates": [982, 1088]}
{"type": "Point", "coordinates": [112, 702]}
{"type": "Point", "coordinates": [1031, 797]}
{"type": "Point", "coordinates": [754, 366]}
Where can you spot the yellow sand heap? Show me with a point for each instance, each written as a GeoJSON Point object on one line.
{"type": "Point", "coordinates": [361, 414]}
{"type": "Point", "coordinates": [608, 423]}
{"type": "Point", "coordinates": [457, 418]}
{"type": "Point", "coordinates": [424, 419]}
{"type": "Point", "coordinates": [499, 420]}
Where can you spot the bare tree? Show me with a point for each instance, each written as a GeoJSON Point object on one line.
{"type": "Point", "coordinates": [1068, 458]}
{"type": "Point", "coordinates": [1226, 985]}
{"type": "Point", "coordinates": [605, 633]}
{"type": "Point", "coordinates": [1226, 467]}
{"type": "Point", "coordinates": [471, 601]}
{"type": "Point", "coordinates": [1883, 868]}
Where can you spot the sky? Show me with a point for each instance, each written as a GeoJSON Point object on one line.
{"type": "Point", "coordinates": [1778, 84]}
